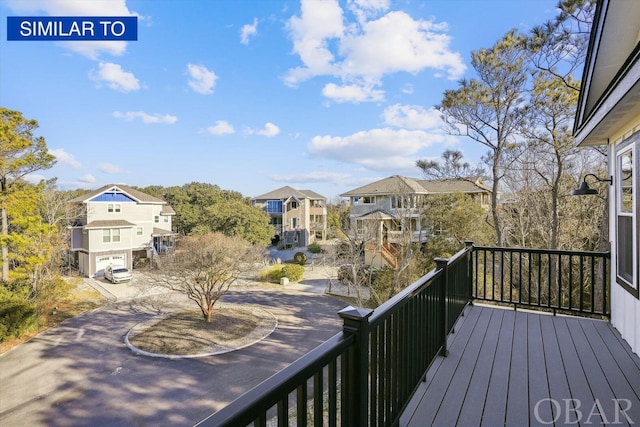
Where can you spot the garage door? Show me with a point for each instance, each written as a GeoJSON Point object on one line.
{"type": "Point", "coordinates": [106, 260]}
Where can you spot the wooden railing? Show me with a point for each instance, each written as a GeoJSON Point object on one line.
{"type": "Point", "coordinates": [366, 374]}
{"type": "Point", "coordinates": [555, 280]}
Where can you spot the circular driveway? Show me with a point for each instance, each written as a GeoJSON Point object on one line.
{"type": "Point", "coordinates": [82, 374]}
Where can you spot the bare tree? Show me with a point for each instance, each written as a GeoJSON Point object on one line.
{"type": "Point", "coordinates": [452, 165]}
{"type": "Point", "coordinates": [489, 110]}
{"type": "Point", "coordinates": [204, 267]}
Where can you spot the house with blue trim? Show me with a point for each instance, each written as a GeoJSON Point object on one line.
{"type": "Point", "coordinates": [298, 217]}
{"type": "Point", "coordinates": [117, 224]}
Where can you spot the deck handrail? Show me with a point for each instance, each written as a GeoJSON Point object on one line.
{"type": "Point", "coordinates": [575, 282]}
{"type": "Point", "coordinates": [366, 374]}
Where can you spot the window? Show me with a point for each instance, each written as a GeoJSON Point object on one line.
{"type": "Point", "coordinates": [113, 207]}
{"type": "Point", "coordinates": [402, 202]}
{"type": "Point", "coordinates": [156, 219]}
{"type": "Point", "coordinates": [274, 206]}
{"type": "Point", "coordinates": [294, 222]}
{"type": "Point", "coordinates": [364, 200]}
{"type": "Point", "coordinates": [627, 257]}
{"type": "Point", "coordinates": [293, 205]}
{"type": "Point", "coordinates": [111, 235]}
{"type": "Point", "coordinates": [166, 219]}
{"type": "Point", "coordinates": [275, 220]}
{"type": "Point", "coordinates": [139, 231]}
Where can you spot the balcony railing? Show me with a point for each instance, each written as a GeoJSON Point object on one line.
{"type": "Point", "coordinates": [567, 281]}
{"type": "Point", "coordinates": [366, 375]}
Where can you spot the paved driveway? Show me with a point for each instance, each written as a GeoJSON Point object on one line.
{"type": "Point", "coordinates": [82, 374]}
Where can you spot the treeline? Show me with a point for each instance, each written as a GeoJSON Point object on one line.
{"type": "Point", "coordinates": [204, 208]}
{"type": "Point", "coordinates": [520, 106]}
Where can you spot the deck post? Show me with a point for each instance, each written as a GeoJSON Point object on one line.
{"type": "Point", "coordinates": [441, 264]}
{"type": "Point", "coordinates": [469, 244]}
{"type": "Point", "coordinates": [356, 389]}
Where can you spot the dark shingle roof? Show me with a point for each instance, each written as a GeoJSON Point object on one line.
{"type": "Point", "coordinates": [392, 185]}
{"type": "Point", "coordinates": [285, 192]}
{"type": "Point", "coordinates": [112, 223]}
{"type": "Point", "coordinates": [404, 185]}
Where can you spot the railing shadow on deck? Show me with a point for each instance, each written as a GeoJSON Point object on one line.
{"type": "Point", "coordinates": [367, 374]}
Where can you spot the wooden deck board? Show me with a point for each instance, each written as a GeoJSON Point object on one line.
{"type": "Point", "coordinates": [473, 403]}
{"type": "Point", "coordinates": [495, 406]}
{"type": "Point", "coordinates": [537, 370]}
{"type": "Point", "coordinates": [457, 390]}
{"type": "Point", "coordinates": [517, 398]}
{"type": "Point", "coordinates": [440, 380]}
{"type": "Point", "coordinates": [521, 368]}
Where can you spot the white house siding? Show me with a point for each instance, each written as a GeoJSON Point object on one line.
{"type": "Point", "coordinates": [625, 307]}
{"type": "Point", "coordinates": [115, 257]}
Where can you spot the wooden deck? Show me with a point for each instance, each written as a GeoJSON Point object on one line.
{"type": "Point", "coordinates": [518, 368]}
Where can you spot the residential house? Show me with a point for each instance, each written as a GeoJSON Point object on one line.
{"type": "Point", "coordinates": [387, 213]}
{"type": "Point", "coordinates": [116, 224]}
{"type": "Point", "coordinates": [298, 217]}
{"type": "Point", "coordinates": [609, 114]}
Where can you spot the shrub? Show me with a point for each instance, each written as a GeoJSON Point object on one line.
{"type": "Point", "coordinates": [17, 315]}
{"type": "Point", "coordinates": [300, 258]}
{"type": "Point", "coordinates": [291, 271]}
{"type": "Point", "coordinates": [315, 248]}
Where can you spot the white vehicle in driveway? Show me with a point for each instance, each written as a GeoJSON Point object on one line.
{"type": "Point", "coordinates": [117, 274]}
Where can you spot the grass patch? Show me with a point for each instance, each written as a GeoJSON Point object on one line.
{"type": "Point", "coordinates": [187, 333]}
{"type": "Point", "coordinates": [81, 299]}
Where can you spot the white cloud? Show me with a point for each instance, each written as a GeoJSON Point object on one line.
{"type": "Point", "coordinates": [363, 9]}
{"type": "Point", "coordinates": [116, 77]}
{"type": "Point", "coordinates": [269, 130]}
{"type": "Point", "coordinates": [34, 178]}
{"type": "Point", "coordinates": [352, 93]}
{"type": "Point", "coordinates": [407, 88]}
{"type": "Point", "coordinates": [412, 117]}
{"type": "Point", "coordinates": [201, 79]}
{"type": "Point", "coordinates": [221, 127]}
{"type": "Point", "coordinates": [318, 23]}
{"type": "Point", "coordinates": [363, 51]}
{"type": "Point", "coordinates": [130, 116]}
{"type": "Point", "coordinates": [65, 158]}
{"type": "Point", "coordinates": [110, 168]}
{"type": "Point", "coordinates": [87, 178]}
{"type": "Point", "coordinates": [397, 42]}
{"type": "Point", "coordinates": [378, 149]}
{"type": "Point", "coordinates": [248, 30]}
{"type": "Point", "coordinates": [90, 49]}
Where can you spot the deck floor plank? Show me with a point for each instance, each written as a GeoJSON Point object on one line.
{"type": "Point", "coordinates": [520, 368]}
{"type": "Point", "coordinates": [450, 409]}
{"type": "Point", "coordinates": [473, 403]}
{"type": "Point", "coordinates": [554, 366]}
{"type": "Point", "coordinates": [495, 406]}
{"type": "Point", "coordinates": [537, 380]}
{"type": "Point", "coordinates": [441, 378]}
{"type": "Point", "coordinates": [619, 384]}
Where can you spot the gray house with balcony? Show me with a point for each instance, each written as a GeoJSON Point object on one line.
{"type": "Point", "coordinates": [387, 213]}
{"type": "Point", "coordinates": [116, 223]}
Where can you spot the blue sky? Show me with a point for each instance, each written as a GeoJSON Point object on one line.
{"type": "Point", "coordinates": [252, 95]}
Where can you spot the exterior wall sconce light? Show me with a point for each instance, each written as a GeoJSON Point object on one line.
{"type": "Point", "coordinates": [585, 190]}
